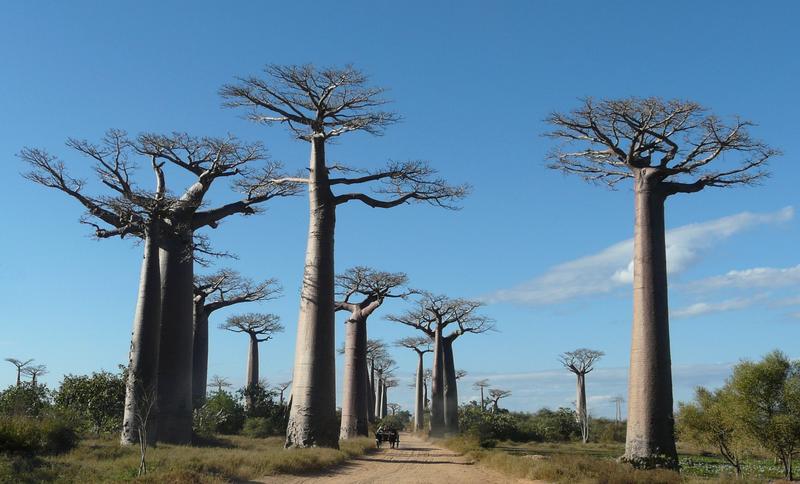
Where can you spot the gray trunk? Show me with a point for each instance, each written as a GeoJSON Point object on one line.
{"type": "Point", "coordinates": [312, 418]}
{"type": "Point", "coordinates": [354, 398]}
{"type": "Point", "coordinates": [419, 398]}
{"type": "Point", "coordinates": [200, 355]}
{"type": "Point", "coordinates": [580, 403]}
{"type": "Point", "coordinates": [377, 387]}
{"type": "Point", "coordinates": [384, 400]}
{"type": "Point", "coordinates": [371, 403]}
{"type": "Point", "coordinates": [175, 359]}
{"type": "Point", "coordinates": [450, 388]}
{"type": "Point", "coordinates": [252, 362]}
{"type": "Point", "coordinates": [437, 386]}
{"type": "Point", "coordinates": [483, 402]}
{"type": "Point", "coordinates": [143, 357]}
{"type": "Point", "coordinates": [650, 435]}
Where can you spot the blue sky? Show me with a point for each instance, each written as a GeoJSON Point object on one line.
{"type": "Point", "coordinates": [473, 82]}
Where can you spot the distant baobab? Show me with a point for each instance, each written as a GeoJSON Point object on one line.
{"type": "Point", "coordinates": [259, 328]}
{"type": "Point", "coordinates": [35, 372]}
{"type": "Point", "coordinates": [317, 105]}
{"type": "Point", "coordinates": [420, 345]}
{"type": "Point", "coordinates": [481, 385]}
{"type": "Point", "coordinates": [664, 148]}
{"type": "Point", "coordinates": [20, 364]}
{"type": "Point", "coordinates": [213, 292]}
{"type": "Point", "coordinates": [581, 362]}
{"type": "Point", "coordinates": [495, 395]}
{"type": "Point", "coordinates": [220, 383]}
{"type": "Point", "coordinates": [362, 290]}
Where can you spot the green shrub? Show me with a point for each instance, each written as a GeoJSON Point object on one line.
{"type": "Point", "coordinates": [397, 422]}
{"type": "Point", "coordinates": [99, 400]}
{"type": "Point", "coordinates": [221, 414]}
{"type": "Point", "coordinates": [263, 405]}
{"type": "Point", "coordinates": [258, 427]}
{"type": "Point", "coordinates": [25, 399]}
{"type": "Point", "coordinates": [46, 434]}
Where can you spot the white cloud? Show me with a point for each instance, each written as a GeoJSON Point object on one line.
{"type": "Point", "coordinates": [750, 278]}
{"type": "Point", "coordinates": [612, 267]}
{"type": "Point", "coordinates": [703, 308]}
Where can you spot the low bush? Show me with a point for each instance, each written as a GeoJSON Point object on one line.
{"type": "Point", "coordinates": [258, 427]}
{"type": "Point", "coordinates": [25, 399]}
{"type": "Point", "coordinates": [98, 399]}
{"type": "Point", "coordinates": [221, 414]}
{"type": "Point", "coordinates": [46, 434]}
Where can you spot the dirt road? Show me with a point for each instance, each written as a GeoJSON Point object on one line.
{"type": "Point", "coordinates": [415, 462]}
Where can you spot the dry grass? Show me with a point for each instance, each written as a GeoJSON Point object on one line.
{"type": "Point", "coordinates": [564, 463]}
{"type": "Point", "coordinates": [230, 459]}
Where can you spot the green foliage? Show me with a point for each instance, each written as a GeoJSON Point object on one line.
{"type": "Point", "coordinates": [264, 406]}
{"type": "Point", "coordinates": [25, 399]}
{"type": "Point", "coordinates": [50, 433]}
{"type": "Point", "coordinates": [221, 414]}
{"type": "Point", "coordinates": [98, 399]}
{"type": "Point", "coordinates": [397, 421]}
{"type": "Point", "coordinates": [258, 427]}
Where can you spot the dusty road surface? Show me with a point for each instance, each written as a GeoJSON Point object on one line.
{"type": "Point", "coordinates": [415, 462]}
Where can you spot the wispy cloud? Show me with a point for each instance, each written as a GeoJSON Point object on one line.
{"type": "Point", "coordinates": [704, 308]}
{"type": "Point", "coordinates": [758, 277]}
{"type": "Point", "coordinates": [612, 267]}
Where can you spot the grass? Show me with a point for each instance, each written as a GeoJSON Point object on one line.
{"type": "Point", "coordinates": [595, 463]}
{"type": "Point", "coordinates": [228, 459]}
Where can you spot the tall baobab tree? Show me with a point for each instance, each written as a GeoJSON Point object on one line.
{"type": "Point", "coordinates": [431, 315]}
{"type": "Point", "coordinates": [371, 287]}
{"type": "Point", "coordinates": [618, 408]}
{"type": "Point", "coordinates": [482, 385]}
{"type": "Point", "coordinates": [384, 366]}
{"type": "Point", "coordinates": [376, 350]}
{"type": "Point", "coordinates": [20, 366]}
{"type": "Point", "coordinates": [581, 362]}
{"type": "Point", "coordinates": [495, 395]}
{"type": "Point", "coordinates": [259, 328]}
{"type": "Point", "coordinates": [318, 105]}
{"type": "Point", "coordinates": [420, 345]}
{"type": "Point", "coordinates": [212, 292]}
{"type": "Point", "coordinates": [281, 388]}
{"type": "Point", "coordinates": [394, 407]}
{"type": "Point", "coordinates": [167, 224]}
{"type": "Point", "coordinates": [427, 377]}
{"type": "Point", "coordinates": [387, 383]}
{"type": "Point", "coordinates": [665, 148]}
{"type": "Point", "coordinates": [220, 383]}
{"type": "Point", "coordinates": [35, 372]}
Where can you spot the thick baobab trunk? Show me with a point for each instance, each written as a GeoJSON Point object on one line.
{"type": "Point", "coordinates": [384, 400]}
{"type": "Point", "coordinates": [200, 356]}
{"type": "Point", "coordinates": [580, 405]}
{"type": "Point", "coordinates": [419, 398]}
{"type": "Point", "coordinates": [424, 393]}
{"type": "Point", "coordinates": [371, 402]}
{"type": "Point", "coordinates": [483, 402]}
{"type": "Point", "coordinates": [377, 387]}
{"type": "Point", "coordinates": [354, 400]}
{"type": "Point", "coordinates": [175, 358]}
{"type": "Point", "coordinates": [650, 434]}
{"type": "Point", "coordinates": [437, 386]}
{"type": "Point", "coordinates": [312, 419]}
{"type": "Point", "coordinates": [252, 362]}
{"type": "Point", "coordinates": [142, 383]}
{"type": "Point", "coordinates": [450, 388]}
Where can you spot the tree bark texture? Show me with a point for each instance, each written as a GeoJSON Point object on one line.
{"type": "Point", "coordinates": [650, 434]}
{"type": "Point", "coordinates": [437, 386]}
{"type": "Point", "coordinates": [354, 397]}
{"type": "Point", "coordinates": [143, 358]}
{"type": "Point", "coordinates": [371, 403]}
{"type": "Point", "coordinates": [580, 404]}
{"type": "Point", "coordinates": [312, 418]}
{"type": "Point", "coordinates": [419, 398]}
{"type": "Point", "coordinates": [175, 358]}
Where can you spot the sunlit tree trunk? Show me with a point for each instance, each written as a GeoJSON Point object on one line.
{"type": "Point", "coordinates": [419, 398]}
{"type": "Point", "coordinates": [144, 353]}
{"type": "Point", "coordinates": [384, 399]}
{"type": "Point", "coordinates": [354, 396]}
{"type": "Point", "coordinates": [580, 404]}
{"type": "Point", "coordinates": [371, 403]}
{"type": "Point", "coordinates": [437, 385]}
{"type": "Point", "coordinates": [175, 359]}
{"type": "Point", "coordinates": [312, 419]}
{"type": "Point", "coordinates": [650, 434]}
{"type": "Point", "coordinates": [450, 388]}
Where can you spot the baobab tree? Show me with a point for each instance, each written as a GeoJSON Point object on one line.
{"type": "Point", "coordinates": [259, 328]}
{"type": "Point", "coordinates": [220, 383]}
{"type": "Point", "coordinates": [581, 362]}
{"type": "Point", "coordinates": [319, 105]}
{"type": "Point", "coordinates": [394, 407]}
{"type": "Point", "coordinates": [384, 366]}
{"type": "Point", "coordinates": [387, 383]}
{"type": "Point", "coordinates": [420, 345]}
{"type": "Point", "coordinates": [665, 148]}
{"type": "Point", "coordinates": [481, 385]}
{"type": "Point", "coordinates": [167, 224]}
{"type": "Point", "coordinates": [20, 366]}
{"type": "Point", "coordinates": [376, 350]}
{"type": "Point", "coordinates": [371, 287]}
{"type": "Point", "coordinates": [431, 315]}
{"type": "Point", "coordinates": [281, 388]}
{"type": "Point", "coordinates": [495, 395]}
{"type": "Point", "coordinates": [427, 377]}
{"type": "Point", "coordinates": [34, 372]}
{"type": "Point", "coordinates": [212, 292]}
